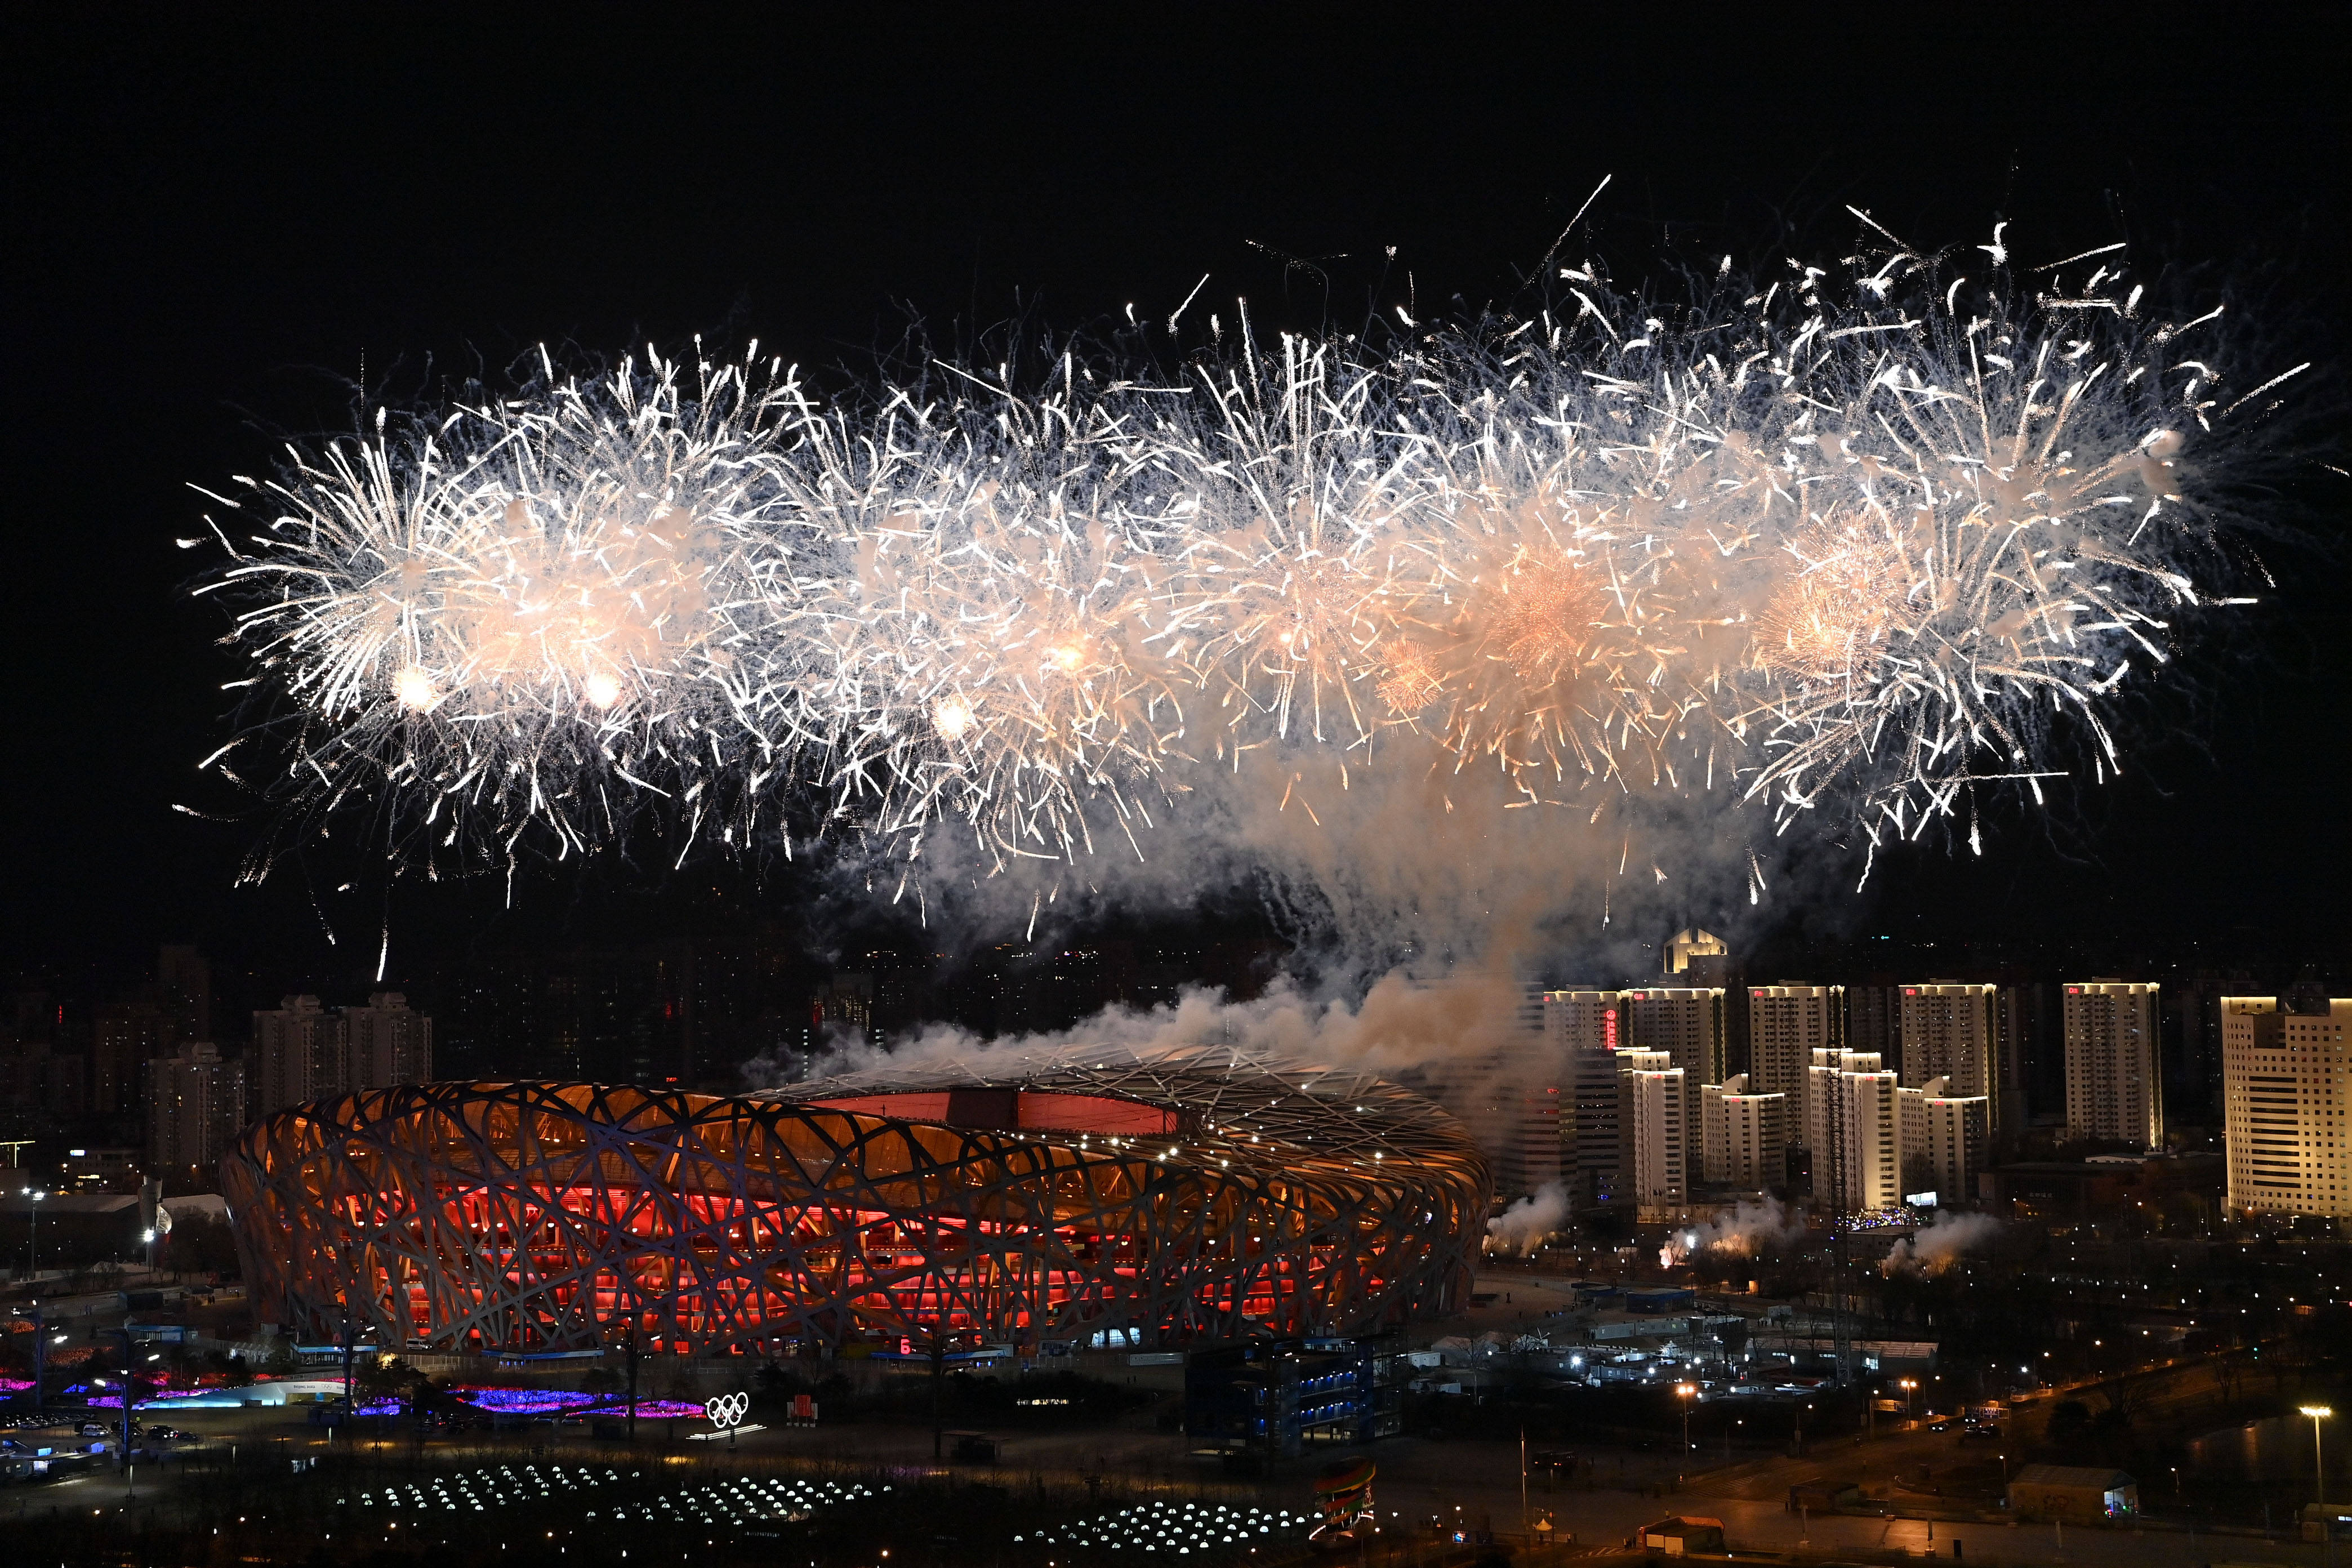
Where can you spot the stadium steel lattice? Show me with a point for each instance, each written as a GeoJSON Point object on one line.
{"type": "Point", "coordinates": [1194, 1196]}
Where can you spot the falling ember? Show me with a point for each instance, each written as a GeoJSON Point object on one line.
{"type": "Point", "coordinates": [1597, 552]}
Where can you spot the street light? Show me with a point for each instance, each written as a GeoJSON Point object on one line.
{"type": "Point", "coordinates": [1910, 1386]}
{"type": "Point", "coordinates": [1685, 1390]}
{"type": "Point", "coordinates": [33, 1262]}
{"type": "Point", "coordinates": [2318, 1413]}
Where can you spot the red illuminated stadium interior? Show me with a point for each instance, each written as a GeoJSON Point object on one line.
{"type": "Point", "coordinates": [1017, 1110]}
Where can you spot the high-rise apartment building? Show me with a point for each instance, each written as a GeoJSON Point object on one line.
{"type": "Point", "coordinates": [1786, 1025]}
{"type": "Point", "coordinates": [302, 1051]}
{"type": "Point", "coordinates": [195, 1108]}
{"type": "Point", "coordinates": [183, 990]}
{"type": "Point", "coordinates": [2114, 1083]}
{"type": "Point", "coordinates": [1854, 1131]}
{"type": "Point", "coordinates": [2286, 1083]}
{"type": "Point", "coordinates": [388, 1042]}
{"type": "Point", "coordinates": [1687, 1023]}
{"type": "Point", "coordinates": [1530, 1155]}
{"type": "Point", "coordinates": [1743, 1137]}
{"type": "Point", "coordinates": [1684, 1021]}
{"type": "Point", "coordinates": [1945, 1028]}
{"type": "Point", "coordinates": [1654, 1122]}
{"type": "Point", "coordinates": [1582, 1030]}
{"type": "Point", "coordinates": [1522, 1097]}
{"type": "Point", "coordinates": [124, 1037]}
{"type": "Point", "coordinates": [2015, 1012]}
{"type": "Point", "coordinates": [1946, 1138]}
{"type": "Point", "coordinates": [1874, 1015]}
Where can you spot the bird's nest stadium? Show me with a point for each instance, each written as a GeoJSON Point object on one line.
{"type": "Point", "coordinates": [1180, 1198]}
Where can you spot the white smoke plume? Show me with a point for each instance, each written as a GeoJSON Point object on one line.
{"type": "Point", "coordinates": [1522, 1227]}
{"type": "Point", "coordinates": [1399, 1027]}
{"type": "Point", "coordinates": [1744, 1230]}
{"type": "Point", "coordinates": [1938, 1246]}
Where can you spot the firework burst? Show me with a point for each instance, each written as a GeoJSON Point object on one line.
{"type": "Point", "coordinates": [1867, 538]}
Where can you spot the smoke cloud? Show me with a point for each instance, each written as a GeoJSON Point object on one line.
{"type": "Point", "coordinates": [1939, 1244]}
{"type": "Point", "coordinates": [1747, 1230]}
{"type": "Point", "coordinates": [1521, 1228]}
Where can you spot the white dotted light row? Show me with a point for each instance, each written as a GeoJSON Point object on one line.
{"type": "Point", "coordinates": [1181, 1528]}
{"type": "Point", "coordinates": [483, 1489]}
{"type": "Point", "coordinates": [742, 1501]}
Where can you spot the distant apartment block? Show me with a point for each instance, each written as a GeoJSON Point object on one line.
{"type": "Point", "coordinates": [2114, 1083]}
{"type": "Point", "coordinates": [1855, 1130]}
{"type": "Point", "coordinates": [1655, 1124]}
{"type": "Point", "coordinates": [1946, 1030]}
{"type": "Point", "coordinates": [304, 1052]}
{"type": "Point", "coordinates": [1743, 1137]}
{"type": "Point", "coordinates": [195, 1108]}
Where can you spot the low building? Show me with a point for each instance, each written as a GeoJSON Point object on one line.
{"type": "Point", "coordinates": [2068, 1189]}
{"type": "Point", "coordinates": [1683, 1535]}
{"type": "Point", "coordinates": [2073, 1493]}
{"type": "Point", "coordinates": [1277, 1398]}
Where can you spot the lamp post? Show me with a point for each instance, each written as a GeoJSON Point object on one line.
{"type": "Point", "coordinates": [1685, 1390]}
{"type": "Point", "coordinates": [1910, 1401]}
{"type": "Point", "coordinates": [2318, 1413]}
{"type": "Point", "coordinates": [33, 1256]}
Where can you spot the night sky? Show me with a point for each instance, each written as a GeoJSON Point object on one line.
{"type": "Point", "coordinates": [216, 227]}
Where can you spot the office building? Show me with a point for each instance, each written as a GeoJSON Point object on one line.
{"type": "Point", "coordinates": [1854, 1131]}
{"type": "Point", "coordinates": [1654, 1119]}
{"type": "Point", "coordinates": [1690, 943]}
{"type": "Point", "coordinates": [1743, 1137]}
{"type": "Point", "coordinates": [1946, 1138]}
{"type": "Point", "coordinates": [1946, 1030]}
{"type": "Point", "coordinates": [195, 1108]}
{"type": "Point", "coordinates": [2114, 1084]}
{"type": "Point", "coordinates": [2286, 1083]}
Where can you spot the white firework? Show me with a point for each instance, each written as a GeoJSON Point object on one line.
{"type": "Point", "coordinates": [1779, 544]}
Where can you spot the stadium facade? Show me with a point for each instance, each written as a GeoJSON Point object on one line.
{"type": "Point", "coordinates": [1191, 1197]}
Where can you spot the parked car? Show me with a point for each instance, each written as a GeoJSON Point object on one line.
{"type": "Point", "coordinates": [89, 1429]}
{"type": "Point", "coordinates": [165, 1433]}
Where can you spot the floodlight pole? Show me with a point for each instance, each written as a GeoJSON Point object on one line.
{"type": "Point", "coordinates": [130, 1393]}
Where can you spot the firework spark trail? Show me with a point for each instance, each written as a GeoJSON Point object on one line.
{"type": "Point", "coordinates": [1776, 546]}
